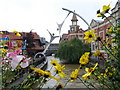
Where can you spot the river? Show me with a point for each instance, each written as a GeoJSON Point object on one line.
{"type": "Point", "coordinates": [69, 67]}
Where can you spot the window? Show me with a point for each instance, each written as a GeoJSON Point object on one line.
{"type": "Point", "coordinates": [74, 23]}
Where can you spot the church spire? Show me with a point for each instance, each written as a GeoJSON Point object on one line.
{"type": "Point", "coordinates": [74, 19]}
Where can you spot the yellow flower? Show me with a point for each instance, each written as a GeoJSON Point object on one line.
{"type": "Point", "coordinates": [104, 75]}
{"type": "Point", "coordinates": [1, 32]}
{"type": "Point", "coordinates": [106, 70]}
{"type": "Point", "coordinates": [84, 58]}
{"type": "Point", "coordinates": [47, 74]}
{"type": "Point", "coordinates": [62, 74]}
{"type": "Point", "coordinates": [74, 75]}
{"type": "Point", "coordinates": [85, 76]}
{"type": "Point", "coordinates": [113, 52]}
{"type": "Point", "coordinates": [99, 76]}
{"type": "Point", "coordinates": [108, 44]}
{"type": "Point", "coordinates": [110, 74]}
{"type": "Point", "coordinates": [58, 67]}
{"type": "Point", "coordinates": [15, 31]}
{"type": "Point", "coordinates": [99, 15]}
{"type": "Point", "coordinates": [98, 38]}
{"type": "Point", "coordinates": [89, 71]}
{"type": "Point", "coordinates": [113, 40]}
{"type": "Point", "coordinates": [3, 50]}
{"type": "Point", "coordinates": [95, 73]}
{"type": "Point", "coordinates": [37, 70]}
{"type": "Point", "coordinates": [18, 34]}
{"type": "Point", "coordinates": [18, 67]}
{"type": "Point", "coordinates": [59, 70]}
{"type": "Point", "coordinates": [89, 35]}
{"type": "Point", "coordinates": [110, 29]}
{"type": "Point", "coordinates": [86, 54]}
{"type": "Point", "coordinates": [105, 8]}
{"type": "Point", "coordinates": [97, 53]}
{"type": "Point", "coordinates": [118, 29]}
{"type": "Point", "coordinates": [54, 62]}
{"type": "Point", "coordinates": [113, 69]}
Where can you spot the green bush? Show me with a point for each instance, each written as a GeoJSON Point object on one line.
{"type": "Point", "coordinates": [71, 50]}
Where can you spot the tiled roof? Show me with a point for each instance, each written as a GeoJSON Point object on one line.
{"type": "Point", "coordinates": [13, 36]}
{"type": "Point", "coordinates": [10, 34]}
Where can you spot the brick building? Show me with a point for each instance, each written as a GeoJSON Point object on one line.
{"type": "Point", "coordinates": [101, 27]}
{"type": "Point", "coordinates": [29, 41]}
{"type": "Point", "coordinates": [75, 30]}
{"type": "Point", "coordinates": [116, 11]}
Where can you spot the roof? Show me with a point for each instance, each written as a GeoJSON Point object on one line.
{"type": "Point", "coordinates": [13, 36]}
{"type": "Point", "coordinates": [98, 21]}
{"type": "Point", "coordinates": [95, 22]}
{"type": "Point", "coordinates": [118, 3]}
{"type": "Point", "coordinates": [74, 18]}
{"type": "Point", "coordinates": [36, 48]}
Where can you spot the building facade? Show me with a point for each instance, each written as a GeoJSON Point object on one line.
{"type": "Point", "coordinates": [74, 32]}
{"type": "Point", "coordinates": [116, 12]}
{"type": "Point", "coordinates": [29, 42]}
{"type": "Point", "coordinates": [102, 27]}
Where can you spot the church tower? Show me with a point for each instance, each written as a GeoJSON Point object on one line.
{"type": "Point", "coordinates": [74, 27]}
{"type": "Point", "coordinates": [75, 30]}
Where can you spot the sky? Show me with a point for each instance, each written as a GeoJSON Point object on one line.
{"type": "Point", "coordinates": [40, 15]}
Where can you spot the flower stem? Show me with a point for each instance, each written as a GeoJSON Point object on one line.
{"type": "Point", "coordinates": [84, 83]}
{"type": "Point", "coordinates": [105, 84]}
{"type": "Point", "coordinates": [114, 17]}
{"type": "Point", "coordinates": [109, 21]}
{"type": "Point", "coordinates": [108, 50]}
{"type": "Point", "coordinates": [93, 86]}
{"type": "Point", "coordinates": [66, 83]}
{"type": "Point", "coordinates": [51, 68]}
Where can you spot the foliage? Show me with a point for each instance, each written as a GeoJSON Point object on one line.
{"type": "Point", "coordinates": [11, 60]}
{"type": "Point", "coordinates": [72, 50]}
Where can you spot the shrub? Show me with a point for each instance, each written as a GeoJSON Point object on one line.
{"type": "Point", "coordinates": [71, 50]}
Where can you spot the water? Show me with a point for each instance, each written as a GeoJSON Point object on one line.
{"type": "Point", "coordinates": [69, 68]}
